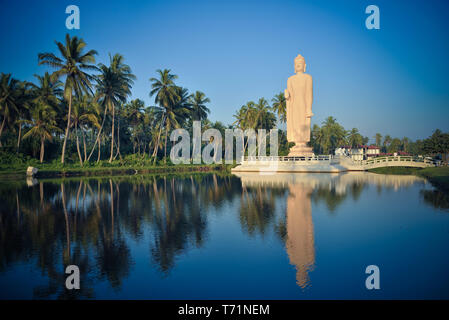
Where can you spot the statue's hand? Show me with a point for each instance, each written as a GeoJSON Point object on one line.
{"type": "Point", "coordinates": [310, 115]}
{"type": "Point", "coordinates": [286, 94]}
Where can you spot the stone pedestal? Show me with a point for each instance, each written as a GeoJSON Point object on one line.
{"type": "Point", "coordinates": [301, 150]}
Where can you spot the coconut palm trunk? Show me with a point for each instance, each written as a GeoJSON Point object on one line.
{"type": "Point", "coordinates": [19, 137]}
{"type": "Point", "coordinates": [165, 148]}
{"type": "Point", "coordinates": [84, 145]}
{"type": "Point", "coordinates": [1, 129]}
{"type": "Point", "coordinates": [112, 133]}
{"type": "Point", "coordinates": [156, 147]}
{"type": "Point", "coordinates": [42, 148]}
{"type": "Point", "coordinates": [99, 151]}
{"type": "Point", "coordinates": [67, 128]}
{"type": "Point", "coordinates": [78, 144]}
{"type": "Point", "coordinates": [118, 139]}
{"type": "Point", "coordinates": [97, 140]}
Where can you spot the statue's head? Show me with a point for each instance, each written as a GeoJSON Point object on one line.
{"type": "Point", "coordinates": [300, 64]}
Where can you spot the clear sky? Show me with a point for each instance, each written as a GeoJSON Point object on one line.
{"type": "Point", "coordinates": [393, 80]}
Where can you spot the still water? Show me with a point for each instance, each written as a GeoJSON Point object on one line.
{"type": "Point", "coordinates": [208, 236]}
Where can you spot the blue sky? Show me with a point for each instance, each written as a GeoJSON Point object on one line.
{"type": "Point", "coordinates": [392, 80]}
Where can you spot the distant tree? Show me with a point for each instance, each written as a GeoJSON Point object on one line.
{"type": "Point", "coordinates": [405, 143]}
{"type": "Point", "coordinates": [438, 142]}
{"type": "Point", "coordinates": [387, 142]}
{"type": "Point", "coordinates": [395, 145]}
{"type": "Point", "coordinates": [365, 140]}
{"type": "Point", "coordinates": [378, 139]}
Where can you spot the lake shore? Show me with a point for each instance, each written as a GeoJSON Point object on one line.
{"type": "Point", "coordinates": [46, 171]}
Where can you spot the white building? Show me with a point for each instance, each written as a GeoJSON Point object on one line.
{"type": "Point", "coordinates": [358, 153]}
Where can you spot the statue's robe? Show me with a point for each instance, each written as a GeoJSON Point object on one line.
{"type": "Point", "coordinates": [299, 107]}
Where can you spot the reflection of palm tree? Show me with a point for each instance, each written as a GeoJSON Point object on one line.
{"type": "Point", "coordinates": [257, 209]}
{"type": "Point", "coordinates": [67, 227]}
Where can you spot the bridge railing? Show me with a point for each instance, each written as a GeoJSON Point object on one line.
{"type": "Point", "coordinates": [287, 159]}
{"type": "Point", "coordinates": [330, 158]}
{"type": "Point", "coordinates": [386, 159]}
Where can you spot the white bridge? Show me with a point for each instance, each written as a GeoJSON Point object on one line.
{"type": "Point", "coordinates": [396, 161]}
{"type": "Point", "coordinates": [328, 163]}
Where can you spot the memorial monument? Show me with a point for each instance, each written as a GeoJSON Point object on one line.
{"type": "Point", "coordinates": [299, 96]}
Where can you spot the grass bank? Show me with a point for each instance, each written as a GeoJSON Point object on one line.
{"type": "Point", "coordinates": [438, 176]}
{"type": "Point", "coordinates": [13, 165]}
{"type": "Point", "coordinates": [68, 170]}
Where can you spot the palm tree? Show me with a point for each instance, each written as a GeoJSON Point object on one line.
{"type": "Point", "coordinates": [245, 116]}
{"type": "Point", "coordinates": [48, 91]}
{"type": "Point", "coordinates": [332, 135]}
{"type": "Point", "coordinates": [165, 92]}
{"type": "Point", "coordinates": [177, 114]}
{"type": "Point", "coordinates": [113, 86]}
{"type": "Point", "coordinates": [354, 138]}
{"type": "Point", "coordinates": [42, 123]}
{"type": "Point", "coordinates": [315, 138]}
{"type": "Point", "coordinates": [9, 100]}
{"type": "Point", "coordinates": [72, 65]}
{"type": "Point", "coordinates": [280, 106]}
{"type": "Point", "coordinates": [264, 118]}
{"type": "Point", "coordinates": [198, 102]}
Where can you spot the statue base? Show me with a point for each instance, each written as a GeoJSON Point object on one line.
{"type": "Point", "coordinates": [301, 150]}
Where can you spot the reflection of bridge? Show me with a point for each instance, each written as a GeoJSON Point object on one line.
{"type": "Point", "coordinates": [339, 182]}
{"type": "Point", "coordinates": [327, 163]}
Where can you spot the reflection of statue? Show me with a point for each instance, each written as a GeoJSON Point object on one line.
{"type": "Point", "coordinates": [300, 243]}
{"type": "Point", "coordinates": [299, 96]}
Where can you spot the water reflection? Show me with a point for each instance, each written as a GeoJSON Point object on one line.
{"type": "Point", "coordinates": [299, 242]}
{"type": "Point", "coordinates": [101, 224]}
{"type": "Point", "coordinates": [302, 189]}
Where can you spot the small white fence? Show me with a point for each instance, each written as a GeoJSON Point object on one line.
{"type": "Point", "coordinates": [287, 159]}
{"type": "Point", "coordinates": [371, 163]}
